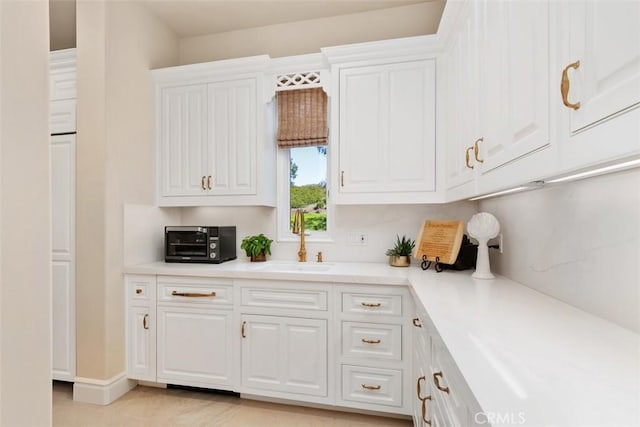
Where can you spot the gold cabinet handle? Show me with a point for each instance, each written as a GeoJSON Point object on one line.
{"type": "Point", "coordinates": [370, 387]}
{"type": "Point", "coordinates": [367, 341]}
{"type": "Point", "coordinates": [341, 178]}
{"type": "Point", "coordinates": [424, 410]}
{"type": "Point", "coordinates": [565, 85]}
{"type": "Point", "coordinates": [419, 387]}
{"type": "Point", "coordinates": [202, 183]}
{"type": "Point", "coordinates": [209, 182]}
{"type": "Point", "coordinates": [192, 294]}
{"type": "Point", "coordinates": [476, 149]}
{"type": "Point", "coordinates": [370, 304]}
{"type": "Point", "coordinates": [416, 322]}
{"type": "Point", "coordinates": [436, 381]}
{"type": "Point", "coordinates": [145, 321]}
{"type": "Point", "coordinates": [467, 157]}
{"type": "Point", "coordinates": [242, 330]}
{"type": "Point", "coordinates": [138, 291]}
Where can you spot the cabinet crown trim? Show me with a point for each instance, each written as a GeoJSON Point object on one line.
{"type": "Point", "coordinates": [395, 50]}
{"type": "Point", "coordinates": [204, 71]}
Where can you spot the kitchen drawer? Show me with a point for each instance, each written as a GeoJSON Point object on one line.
{"type": "Point", "coordinates": [372, 385]}
{"type": "Point", "coordinates": [315, 300]}
{"type": "Point", "coordinates": [195, 291]}
{"type": "Point", "coordinates": [140, 290]}
{"type": "Point", "coordinates": [371, 304]}
{"type": "Point", "coordinates": [380, 341]}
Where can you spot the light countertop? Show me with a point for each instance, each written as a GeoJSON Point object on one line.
{"type": "Point", "coordinates": [520, 351]}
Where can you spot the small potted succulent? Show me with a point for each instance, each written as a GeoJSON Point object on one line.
{"type": "Point", "coordinates": [257, 247]}
{"type": "Point", "coordinates": [400, 254]}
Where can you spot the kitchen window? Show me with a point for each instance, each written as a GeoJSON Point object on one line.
{"type": "Point", "coordinates": [302, 163]}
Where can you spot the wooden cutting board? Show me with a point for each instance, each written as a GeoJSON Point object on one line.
{"type": "Point", "coordinates": [440, 239]}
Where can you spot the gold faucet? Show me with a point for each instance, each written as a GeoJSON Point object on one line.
{"type": "Point", "coordinates": [298, 228]}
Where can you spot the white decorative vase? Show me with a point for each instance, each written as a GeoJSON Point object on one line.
{"type": "Point", "coordinates": [482, 227]}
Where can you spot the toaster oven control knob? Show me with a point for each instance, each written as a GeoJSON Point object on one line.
{"type": "Point", "coordinates": [212, 255]}
{"type": "Point", "coordinates": [213, 245]}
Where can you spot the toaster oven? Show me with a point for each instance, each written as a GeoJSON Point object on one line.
{"type": "Point", "coordinates": [199, 244]}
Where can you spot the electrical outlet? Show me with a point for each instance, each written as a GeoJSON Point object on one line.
{"type": "Point", "coordinates": [357, 238]}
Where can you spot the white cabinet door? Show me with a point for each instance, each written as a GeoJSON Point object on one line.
{"type": "Point", "coordinates": [462, 101]}
{"type": "Point", "coordinates": [514, 97]}
{"type": "Point", "coordinates": [387, 129]}
{"type": "Point", "coordinates": [195, 347]}
{"type": "Point", "coordinates": [284, 354]}
{"type": "Point", "coordinates": [141, 327]}
{"type": "Point", "coordinates": [183, 141]}
{"type": "Point", "coordinates": [63, 256]}
{"type": "Point", "coordinates": [605, 38]}
{"type": "Point", "coordinates": [232, 137]}
{"type": "Point", "coordinates": [141, 344]}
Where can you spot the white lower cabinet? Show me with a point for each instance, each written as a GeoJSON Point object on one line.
{"type": "Point", "coordinates": [442, 396]}
{"type": "Point", "coordinates": [195, 345]}
{"type": "Point", "coordinates": [350, 346]}
{"type": "Point", "coordinates": [284, 354]}
{"type": "Point", "coordinates": [375, 351]}
{"type": "Point", "coordinates": [141, 327]}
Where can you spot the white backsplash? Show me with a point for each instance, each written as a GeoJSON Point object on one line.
{"type": "Point", "coordinates": [144, 232]}
{"type": "Point", "coordinates": [381, 223]}
{"type": "Point", "coordinates": [578, 242]}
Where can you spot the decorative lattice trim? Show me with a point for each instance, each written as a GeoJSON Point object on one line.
{"type": "Point", "coordinates": [309, 78]}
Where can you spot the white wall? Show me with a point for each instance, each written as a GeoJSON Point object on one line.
{"type": "Point", "coordinates": [25, 230]}
{"type": "Point", "coordinates": [118, 43]}
{"type": "Point", "coordinates": [578, 242]}
{"type": "Point", "coordinates": [297, 38]}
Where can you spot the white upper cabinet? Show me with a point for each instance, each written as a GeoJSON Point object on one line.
{"type": "Point", "coordinates": [461, 103]}
{"type": "Point", "coordinates": [598, 64]}
{"type": "Point", "coordinates": [183, 141]}
{"type": "Point", "coordinates": [212, 148]}
{"type": "Point", "coordinates": [496, 95]}
{"type": "Point", "coordinates": [387, 132]}
{"type": "Point", "coordinates": [514, 90]}
{"type": "Point", "coordinates": [232, 137]}
{"type": "Point", "coordinates": [605, 38]}
{"type": "Point", "coordinates": [383, 132]}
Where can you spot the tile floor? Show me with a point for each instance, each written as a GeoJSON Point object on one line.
{"type": "Point", "coordinates": [147, 406]}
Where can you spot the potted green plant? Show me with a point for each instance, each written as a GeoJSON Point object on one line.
{"type": "Point", "coordinates": [257, 247]}
{"type": "Point", "coordinates": [400, 254]}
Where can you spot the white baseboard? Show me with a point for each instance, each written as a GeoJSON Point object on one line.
{"type": "Point", "coordinates": [101, 392]}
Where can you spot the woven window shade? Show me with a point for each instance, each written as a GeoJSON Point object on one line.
{"type": "Point", "coordinates": [302, 118]}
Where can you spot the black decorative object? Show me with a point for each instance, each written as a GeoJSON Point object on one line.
{"type": "Point", "coordinates": [466, 258]}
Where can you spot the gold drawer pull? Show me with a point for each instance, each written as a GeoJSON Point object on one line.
{"type": "Point", "coordinates": [192, 294]}
{"type": "Point", "coordinates": [370, 304]}
{"type": "Point", "coordinates": [138, 291]}
{"type": "Point", "coordinates": [436, 381]}
{"type": "Point", "coordinates": [204, 188]}
{"type": "Point", "coordinates": [209, 182]}
{"type": "Point", "coordinates": [145, 321]}
{"type": "Point", "coordinates": [564, 86]}
{"type": "Point", "coordinates": [416, 322]}
{"type": "Point", "coordinates": [424, 410]}
{"type": "Point", "coordinates": [370, 387]}
{"type": "Point", "coordinates": [366, 341]}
